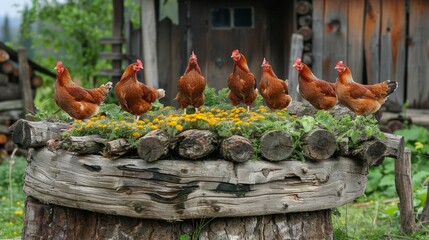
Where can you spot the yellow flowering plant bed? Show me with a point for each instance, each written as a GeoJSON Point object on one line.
{"type": "Point", "coordinates": [225, 121]}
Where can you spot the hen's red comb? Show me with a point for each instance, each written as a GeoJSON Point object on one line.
{"type": "Point", "coordinates": [59, 64]}
{"type": "Point", "coordinates": [264, 62]}
{"type": "Point", "coordinates": [193, 55]}
{"type": "Point", "coordinates": [235, 51]}
{"type": "Point", "coordinates": [139, 63]}
{"type": "Point", "coordinates": [298, 60]}
{"type": "Point", "coordinates": [340, 63]}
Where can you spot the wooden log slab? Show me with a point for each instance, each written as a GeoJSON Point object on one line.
{"type": "Point", "coordinates": [4, 56]}
{"type": "Point", "coordinates": [196, 144]}
{"type": "Point", "coordinates": [10, 91]}
{"type": "Point", "coordinates": [117, 148]}
{"type": "Point", "coordinates": [370, 152]}
{"type": "Point", "coordinates": [91, 144]}
{"type": "Point", "coordinates": [236, 148]}
{"type": "Point", "coordinates": [179, 189]}
{"type": "Point", "coordinates": [29, 134]}
{"type": "Point", "coordinates": [306, 109]}
{"type": "Point", "coordinates": [43, 221]}
{"type": "Point", "coordinates": [318, 144]}
{"type": "Point", "coordinates": [4, 79]}
{"type": "Point", "coordinates": [276, 145]}
{"type": "Point", "coordinates": [154, 145]}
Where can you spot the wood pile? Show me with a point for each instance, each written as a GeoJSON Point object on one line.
{"type": "Point", "coordinates": [193, 176]}
{"type": "Point", "coordinates": [14, 96]}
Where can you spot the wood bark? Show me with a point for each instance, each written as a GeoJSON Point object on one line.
{"type": "Point", "coordinates": [236, 148]}
{"type": "Point", "coordinates": [394, 145]}
{"type": "Point", "coordinates": [306, 32]}
{"type": "Point", "coordinates": [318, 144]}
{"type": "Point", "coordinates": [370, 152]}
{"type": "Point", "coordinates": [45, 221]}
{"type": "Point", "coordinates": [196, 144]}
{"type": "Point", "coordinates": [306, 109]}
{"type": "Point", "coordinates": [404, 188]}
{"type": "Point", "coordinates": [91, 144]}
{"type": "Point", "coordinates": [154, 145]}
{"type": "Point", "coordinates": [182, 189]}
{"type": "Point", "coordinates": [305, 20]}
{"type": "Point", "coordinates": [117, 148]}
{"type": "Point", "coordinates": [30, 134]}
{"type": "Point", "coordinates": [10, 105]}
{"type": "Point", "coordinates": [276, 145]}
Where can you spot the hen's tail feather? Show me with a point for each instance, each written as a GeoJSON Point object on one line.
{"type": "Point", "coordinates": [392, 85]}
{"type": "Point", "coordinates": [161, 93]}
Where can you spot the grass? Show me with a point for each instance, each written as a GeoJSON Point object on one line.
{"type": "Point", "coordinates": [12, 197]}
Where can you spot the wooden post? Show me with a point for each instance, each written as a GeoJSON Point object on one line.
{"type": "Point", "coordinates": [424, 218]}
{"type": "Point", "coordinates": [149, 43]}
{"type": "Point", "coordinates": [25, 82]}
{"type": "Point", "coordinates": [296, 47]}
{"type": "Point", "coordinates": [404, 188]}
{"type": "Point", "coordinates": [372, 41]}
{"type": "Point", "coordinates": [118, 27]}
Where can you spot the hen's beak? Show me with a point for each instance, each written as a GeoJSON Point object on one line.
{"type": "Point", "coordinates": [336, 67]}
{"type": "Point", "coordinates": [294, 65]}
{"type": "Point", "coordinates": [55, 68]}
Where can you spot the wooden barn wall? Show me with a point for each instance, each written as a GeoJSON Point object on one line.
{"type": "Point", "coordinates": [379, 40]}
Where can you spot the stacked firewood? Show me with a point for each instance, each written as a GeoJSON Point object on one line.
{"type": "Point", "coordinates": [304, 10]}
{"type": "Point", "coordinates": [193, 144]}
{"type": "Point", "coordinates": [11, 97]}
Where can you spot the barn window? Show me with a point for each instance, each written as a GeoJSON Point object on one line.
{"type": "Point", "coordinates": [240, 17]}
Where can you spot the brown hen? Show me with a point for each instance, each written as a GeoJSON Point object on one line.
{"type": "Point", "coordinates": [241, 82]}
{"type": "Point", "coordinates": [135, 97]}
{"type": "Point", "coordinates": [191, 85]}
{"type": "Point", "coordinates": [318, 92]}
{"type": "Point", "coordinates": [359, 98]}
{"type": "Point", "coordinates": [273, 90]}
{"type": "Point", "coordinates": [79, 102]}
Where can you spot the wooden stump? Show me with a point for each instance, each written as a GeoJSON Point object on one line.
{"type": "Point", "coordinates": [91, 144]}
{"type": "Point", "coordinates": [236, 148]}
{"type": "Point", "coordinates": [45, 221]}
{"type": "Point", "coordinates": [371, 152]}
{"type": "Point", "coordinates": [117, 148]}
{"type": "Point", "coordinates": [196, 144]}
{"type": "Point", "coordinates": [319, 144]}
{"type": "Point", "coordinates": [276, 145]}
{"type": "Point", "coordinates": [154, 145]}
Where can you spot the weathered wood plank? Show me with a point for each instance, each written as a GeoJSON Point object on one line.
{"type": "Point", "coordinates": [392, 45]}
{"type": "Point", "coordinates": [355, 33]}
{"type": "Point", "coordinates": [148, 19]}
{"type": "Point", "coordinates": [179, 189]}
{"type": "Point", "coordinates": [10, 105]}
{"type": "Point", "coordinates": [418, 55]}
{"type": "Point", "coordinates": [372, 41]}
{"type": "Point", "coordinates": [335, 37]}
{"type": "Point", "coordinates": [404, 188]}
{"type": "Point", "coordinates": [318, 35]}
{"type": "Point", "coordinates": [297, 44]}
{"type": "Point", "coordinates": [42, 221]}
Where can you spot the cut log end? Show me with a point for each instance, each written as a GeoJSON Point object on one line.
{"type": "Point", "coordinates": [236, 148]}
{"type": "Point", "coordinates": [372, 152]}
{"type": "Point", "coordinates": [276, 145]}
{"type": "Point", "coordinates": [154, 146]}
{"type": "Point", "coordinates": [319, 144]}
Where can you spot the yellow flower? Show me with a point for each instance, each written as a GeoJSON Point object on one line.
{"type": "Point", "coordinates": [141, 127]}
{"type": "Point", "coordinates": [418, 145]}
{"type": "Point", "coordinates": [93, 118]}
{"type": "Point", "coordinates": [114, 122]}
{"type": "Point", "coordinates": [77, 121]}
{"type": "Point", "coordinates": [136, 134]}
{"type": "Point", "coordinates": [3, 198]}
{"type": "Point", "coordinates": [116, 129]}
{"type": "Point", "coordinates": [179, 128]}
{"type": "Point", "coordinates": [19, 212]}
{"type": "Point", "coordinates": [154, 127]}
{"type": "Point", "coordinates": [18, 203]}
{"type": "Point", "coordinates": [15, 233]}
{"type": "Point", "coordinates": [140, 122]}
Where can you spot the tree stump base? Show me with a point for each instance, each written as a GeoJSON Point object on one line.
{"type": "Point", "coordinates": [46, 221]}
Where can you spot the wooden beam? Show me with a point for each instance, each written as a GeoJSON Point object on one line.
{"type": "Point", "coordinates": [118, 27]}
{"type": "Point", "coordinates": [149, 43]}
{"type": "Point", "coordinates": [25, 82]}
